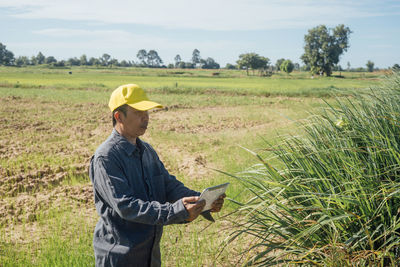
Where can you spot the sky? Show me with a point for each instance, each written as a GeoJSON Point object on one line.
{"type": "Point", "coordinates": [221, 29]}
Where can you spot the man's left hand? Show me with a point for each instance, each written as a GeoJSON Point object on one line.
{"type": "Point", "coordinates": [217, 204]}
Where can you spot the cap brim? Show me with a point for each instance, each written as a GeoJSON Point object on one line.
{"type": "Point", "coordinates": [145, 105]}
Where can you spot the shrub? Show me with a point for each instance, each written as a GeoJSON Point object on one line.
{"type": "Point", "coordinates": [287, 66]}
{"type": "Point", "coordinates": [334, 199]}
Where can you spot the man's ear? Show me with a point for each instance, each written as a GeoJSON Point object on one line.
{"type": "Point", "coordinates": [117, 116]}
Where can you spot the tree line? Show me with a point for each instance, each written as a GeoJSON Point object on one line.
{"type": "Point", "coordinates": [322, 50]}
{"type": "Point", "coordinates": [149, 59]}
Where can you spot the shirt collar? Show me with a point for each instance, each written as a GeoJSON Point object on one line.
{"type": "Point", "coordinates": [127, 146]}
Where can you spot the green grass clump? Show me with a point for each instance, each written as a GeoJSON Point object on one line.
{"type": "Point", "coordinates": [334, 199]}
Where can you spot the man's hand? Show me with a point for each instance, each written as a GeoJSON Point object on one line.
{"type": "Point", "coordinates": [217, 204]}
{"type": "Point", "coordinates": [193, 207]}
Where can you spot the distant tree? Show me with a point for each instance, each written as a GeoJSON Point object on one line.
{"type": "Point", "coordinates": [91, 61]}
{"type": "Point", "coordinates": [153, 59]}
{"type": "Point", "coordinates": [178, 60]}
{"type": "Point", "coordinates": [396, 67]}
{"type": "Point", "coordinates": [73, 61]}
{"type": "Point", "coordinates": [189, 65]}
{"type": "Point", "coordinates": [40, 58]}
{"type": "Point", "coordinates": [60, 63]}
{"type": "Point", "coordinates": [279, 63]}
{"type": "Point", "coordinates": [287, 66]}
{"type": "Point", "coordinates": [83, 60]}
{"type": "Point", "coordinates": [182, 65]}
{"type": "Point", "coordinates": [186, 65]}
{"type": "Point", "coordinates": [94, 62]}
{"type": "Point", "coordinates": [33, 60]}
{"type": "Point", "coordinates": [50, 60]}
{"type": "Point", "coordinates": [209, 63]}
{"type": "Point", "coordinates": [348, 66]}
{"type": "Point", "coordinates": [113, 62]}
{"type": "Point", "coordinates": [252, 61]}
{"type": "Point", "coordinates": [230, 66]}
{"type": "Point", "coordinates": [124, 63]}
{"type": "Point", "coordinates": [196, 57]}
{"type": "Point", "coordinates": [297, 66]}
{"type": "Point", "coordinates": [322, 48]}
{"type": "Point", "coordinates": [247, 61]}
{"type": "Point", "coordinates": [142, 56]}
{"type": "Point", "coordinates": [105, 59]}
{"type": "Point", "coordinates": [264, 66]}
{"type": "Point", "coordinates": [6, 56]}
{"type": "Point", "coordinates": [370, 66]}
{"type": "Point", "coordinates": [171, 66]}
{"type": "Point", "coordinates": [22, 61]}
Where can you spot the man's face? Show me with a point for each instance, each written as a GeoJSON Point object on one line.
{"type": "Point", "coordinates": [134, 123]}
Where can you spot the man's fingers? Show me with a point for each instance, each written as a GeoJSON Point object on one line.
{"type": "Point", "coordinates": [190, 199]}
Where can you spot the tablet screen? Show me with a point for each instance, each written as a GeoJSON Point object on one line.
{"type": "Point", "coordinates": [211, 194]}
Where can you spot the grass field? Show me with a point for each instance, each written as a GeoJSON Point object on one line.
{"type": "Point", "coordinates": [52, 121]}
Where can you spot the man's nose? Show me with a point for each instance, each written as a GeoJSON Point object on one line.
{"type": "Point", "coordinates": [146, 116]}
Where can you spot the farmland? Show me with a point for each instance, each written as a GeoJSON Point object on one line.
{"type": "Point", "coordinates": [52, 121]}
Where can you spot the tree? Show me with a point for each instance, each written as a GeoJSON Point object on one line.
{"type": "Point", "coordinates": [22, 61]}
{"type": "Point", "coordinates": [153, 59]}
{"type": "Point", "coordinates": [113, 62]}
{"type": "Point", "coordinates": [40, 58]}
{"type": "Point", "coordinates": [178, 60]}
{"type": "Point", "coordinates": [324, 46]}
{"type": "Point", "coordinates": [253, 61]}
{"type": "Point", "coordinates": [209, 63]}
{"type": "Point", "coordinates": [33, 60]}
{"type": "Point", "coordinates": [94, 61]}
{"type": "Point", "coordinates": [60, 63]}
{"type": "Point", "coordinates": [279, 63]}
{"type": "Point", "coordinates": [370, 66]}
{"type": "Point", "coordinates": [73, 61]}
{"type": "Point", "coordinates": [50, 60]}
{"type": "Point", "coordinates": [124, 63]}
{"type": "Point", "coordinates": [287, 66]}
{"type": "Point", "coordinates": [246, 61]}
{"type": "Point", "coordinates": [396, 67]}
{"type": "Point", "coordinates": [142, 56]}
{"type": "Point", "coordinates": [196, 57]}
{"type": "Point", "coordinates": [104, 59]}
{"type": "Point", "coordinates": [6, 56]}
{"type": "Point", "coordinates": [83, 60]}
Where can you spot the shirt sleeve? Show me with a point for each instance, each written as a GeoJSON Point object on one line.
{"type": "Point", "coordinates": [111, 184]}
{"type": "Point", "coordinates": [175, 189]}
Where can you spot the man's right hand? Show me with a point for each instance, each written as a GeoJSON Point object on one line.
{"type": "Point", "coordinates": [193, 207]}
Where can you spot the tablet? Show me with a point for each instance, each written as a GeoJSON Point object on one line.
{"type": "Point", "coordinates": [211, 194]}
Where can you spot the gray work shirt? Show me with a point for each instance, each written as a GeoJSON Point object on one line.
{"type": "Point", "coordinates": [134, 196]}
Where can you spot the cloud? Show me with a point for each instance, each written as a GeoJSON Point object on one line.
{"type": "Point", "coordinates": [204, 15]}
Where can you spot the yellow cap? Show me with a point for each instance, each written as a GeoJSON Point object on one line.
{"type": "Point", "coordinates": [132, 95]}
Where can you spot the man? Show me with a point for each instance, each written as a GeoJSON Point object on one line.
{"type": "Point", "coordinates": [134, 194]}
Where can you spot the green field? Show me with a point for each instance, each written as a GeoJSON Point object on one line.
{"type": "Point", "coordinates": [52, 121]}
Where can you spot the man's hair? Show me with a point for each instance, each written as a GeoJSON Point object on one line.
{"type": "Point", "coordinates": [122, 109]}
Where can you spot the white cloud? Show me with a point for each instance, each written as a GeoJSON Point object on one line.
{"type": "Point", "coordinates": [204, 15]}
